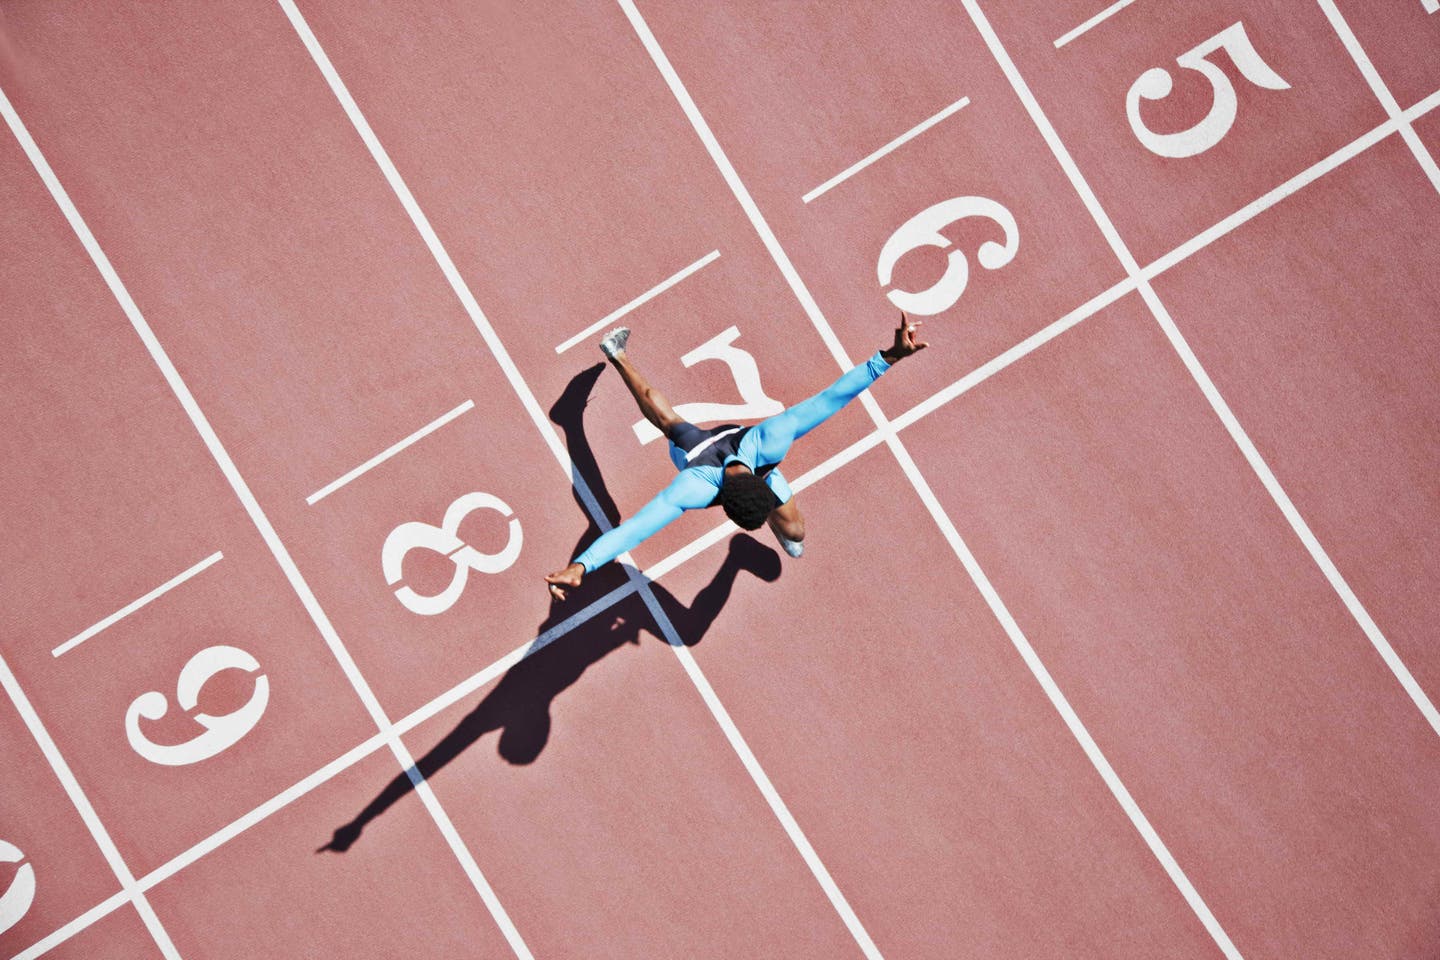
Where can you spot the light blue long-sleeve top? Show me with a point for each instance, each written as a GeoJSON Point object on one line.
{"type": "Point", "coordinates": [696, 487]}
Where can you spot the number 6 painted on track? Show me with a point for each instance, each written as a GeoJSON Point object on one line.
{"type": "Point", "coordinates": [221, 733]}
{"type": "Point", "coordinates": [15, 901]}
{"type": "Point", "coordinates": [1155, 84]}
{"type": "Point", "coordinates": [923, 230]}
{"type": "Point", "coordinates": [445, 540]}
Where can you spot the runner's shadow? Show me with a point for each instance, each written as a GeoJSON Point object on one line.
{"type": "Point", "coordinates": [519, 705]}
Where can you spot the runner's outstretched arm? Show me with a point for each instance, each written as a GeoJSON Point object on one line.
{"type": "Point", "coordinates": [775, 435]}
{"type": "Point", "coordinates": [688, 491]}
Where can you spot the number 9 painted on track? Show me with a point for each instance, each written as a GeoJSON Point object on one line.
{"type": "Point", "coordinates": [15, 901]}
{"type": "Point", "coordinates": [221, 732]}
{"type": "Point", "coordinates": [445, 540]}
{"type": "Point", "coordinates": [923, 230]}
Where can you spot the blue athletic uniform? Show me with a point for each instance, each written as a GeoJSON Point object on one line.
{"type": "Point", "coordinates": [702, 455]}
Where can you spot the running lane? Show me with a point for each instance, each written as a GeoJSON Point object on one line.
{"type": "Point", "coordinates": [556, 169]}
{"type": "Point", "coordinates": [798, 94]}
{"type": "Point", "coordinates": [1317, 323]}
{"type": "Point", "coordinates": [108, 494]}
{"type": "Point", "coordinates": [298, 303]}
{"type": "Point", "coordinates": [1275, 92]}
{"type": "Point", "coordinates": [1252, 720]}
{"type": "Point", "coordinates": [614, 818]}
{"type": "Point", "coordinates": [937, 781]}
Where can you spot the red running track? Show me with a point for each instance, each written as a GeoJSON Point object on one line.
{"type": "Point", "coordinates": [1114, 634]}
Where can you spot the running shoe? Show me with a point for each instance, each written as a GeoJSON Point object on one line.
{"type": "Point", "coordinates": [614, 341]}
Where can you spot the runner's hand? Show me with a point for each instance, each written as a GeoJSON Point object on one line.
{"type": "Point", "coordinates": [560, 579]}
{"type": "Point", "coordinates": [905, 343]}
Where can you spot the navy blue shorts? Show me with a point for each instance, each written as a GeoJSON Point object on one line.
{"type": "Point", "coordinates": [688, 440]}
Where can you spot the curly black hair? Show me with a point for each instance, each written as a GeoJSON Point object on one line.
{"type": "Point", "coordinates": [747, 500]}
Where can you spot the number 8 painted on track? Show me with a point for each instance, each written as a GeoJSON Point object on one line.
{"type": "Point", "coordinates": [923, 230]}
{"type": "Point", "coordinates": [221, 733]}
{"type": "Point", "coordinates": [445, 539]}
{"type": "Point", "coordinates": [1155, 84]}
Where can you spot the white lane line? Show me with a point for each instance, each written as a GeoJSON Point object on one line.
{"type": "Point", "coordinates": [389, 452]}
{"type": "Point", "coordinates": [130, 608]}
{"type": "Point", "coordinates": [1202, 379]}
{"type": "Point", "coordinates": [1381, 91]}
{"type": "Point", "coordinates": [904, 138]}
{"type": "Point", "coordinates": [1094, 21]}
{"type": "Point", "coordinates": [1431, 6]}
{"type": "Point", "coordinates": [12, 686]}
{"type": "Point", "coordinates": [551, 435]}
{"type": "Point", "coordinates": [77, 795]}
{"type": "Point", "coordinates": [644, 298]}
{"type": "Point", "coordinates": [1270, 199]}
{"type": "Point", "coordinates": [257, 516]}
{"type": "Point", "coordinates": [52, 940]}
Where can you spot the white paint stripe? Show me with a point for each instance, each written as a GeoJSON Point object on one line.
{"type": "Point", "coordinates": [644, 298]}
{"type": "Point", "coordinates": [252, 506]}
{"type": "Point", "coordinates": [95, 913]}
{"type": "Point", "coordinates": [1431, 6]}
{"type": "Point", "coordinates": [1202, 379]}
{"type": "Point", "coordinates": [1260, 205]}
{"type": "Point", "coordinates": [72, 786]}
{"type": "Point", "coordinates": [1094, 21]}
{"type": "Point", "coordinates": [130, 608]}
{"type": "Point", "coordinates": [1382, 92]}
{"type": "Point", "coordinates": [710, 441]}
{"type": "Point", "coordinates": [904, 138]}
{"type": "Point", "coordinates": [1022, 349]}
{"type": "Point", "coordinates": [389, 452]}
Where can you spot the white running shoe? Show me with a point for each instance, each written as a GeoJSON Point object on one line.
{"type": "Point", "coordinates": [793, 547]}
{"type": "Point", "coordinates": [614, 341]}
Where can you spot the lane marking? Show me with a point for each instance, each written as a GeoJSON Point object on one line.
{"type": "Point", "coordinates": [1381, 91]}
{"type": "Point", "coordinates": [12, 686]}
{"type": "Point", "coordinates": [1202, 378]}
{"type": "Point", "coordinates": [644, 298]}
{"type": "Point", "coordinates": [130, 608]}
{"type": "Point", "coordinates": [1093, 22]}
{"type": "Point", "coordinates": [257, 516]}
{"type": "Point", "coordinates": [899, 141]}
{"type": "Point", "coordinates": [389, 452]}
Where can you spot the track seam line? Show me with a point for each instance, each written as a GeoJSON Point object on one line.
{"type": "Point", "coordinates": [922, 488]}
{"type": "Point", "coordinates": [1201, 377]}
{"type": "Point", "coordinates": [582, 489]}
{"type": "Point", "coordinates": [259, 519]}
{"type": "Point", "coordinates": [1381, 91]}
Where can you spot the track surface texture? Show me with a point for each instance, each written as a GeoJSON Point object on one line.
{"type": "Point", "coordinates": [1114, 636]}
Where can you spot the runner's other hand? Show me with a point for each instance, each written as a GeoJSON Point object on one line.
{"type": "Point", "coordinates": [905, 343]}
{"type": "Point", "coordinates": [560, 579]}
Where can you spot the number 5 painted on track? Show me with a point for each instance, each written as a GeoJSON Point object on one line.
{"type": "Point", "coordinates": [221, 733]}
{"type": "Point", "coordinates": [15, 901]}
{"type": "Point", "coordinates": [923, 230]}
{"type": "Point", "coordinates": [1155, 84]}
{"type": "Point", "coordinates": [755, 404]}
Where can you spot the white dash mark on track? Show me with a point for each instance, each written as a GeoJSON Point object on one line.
{"type": "Point", "coordinates": [644, 298]}
{"type": "Point", "coordinates": [130, 608]}
{"type": "Point", "coordinates": [389, 452]}
{"type": "Point", "coordinates": [1093, 22]}
{"type": "Point", "coordinates": [899, 141]}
